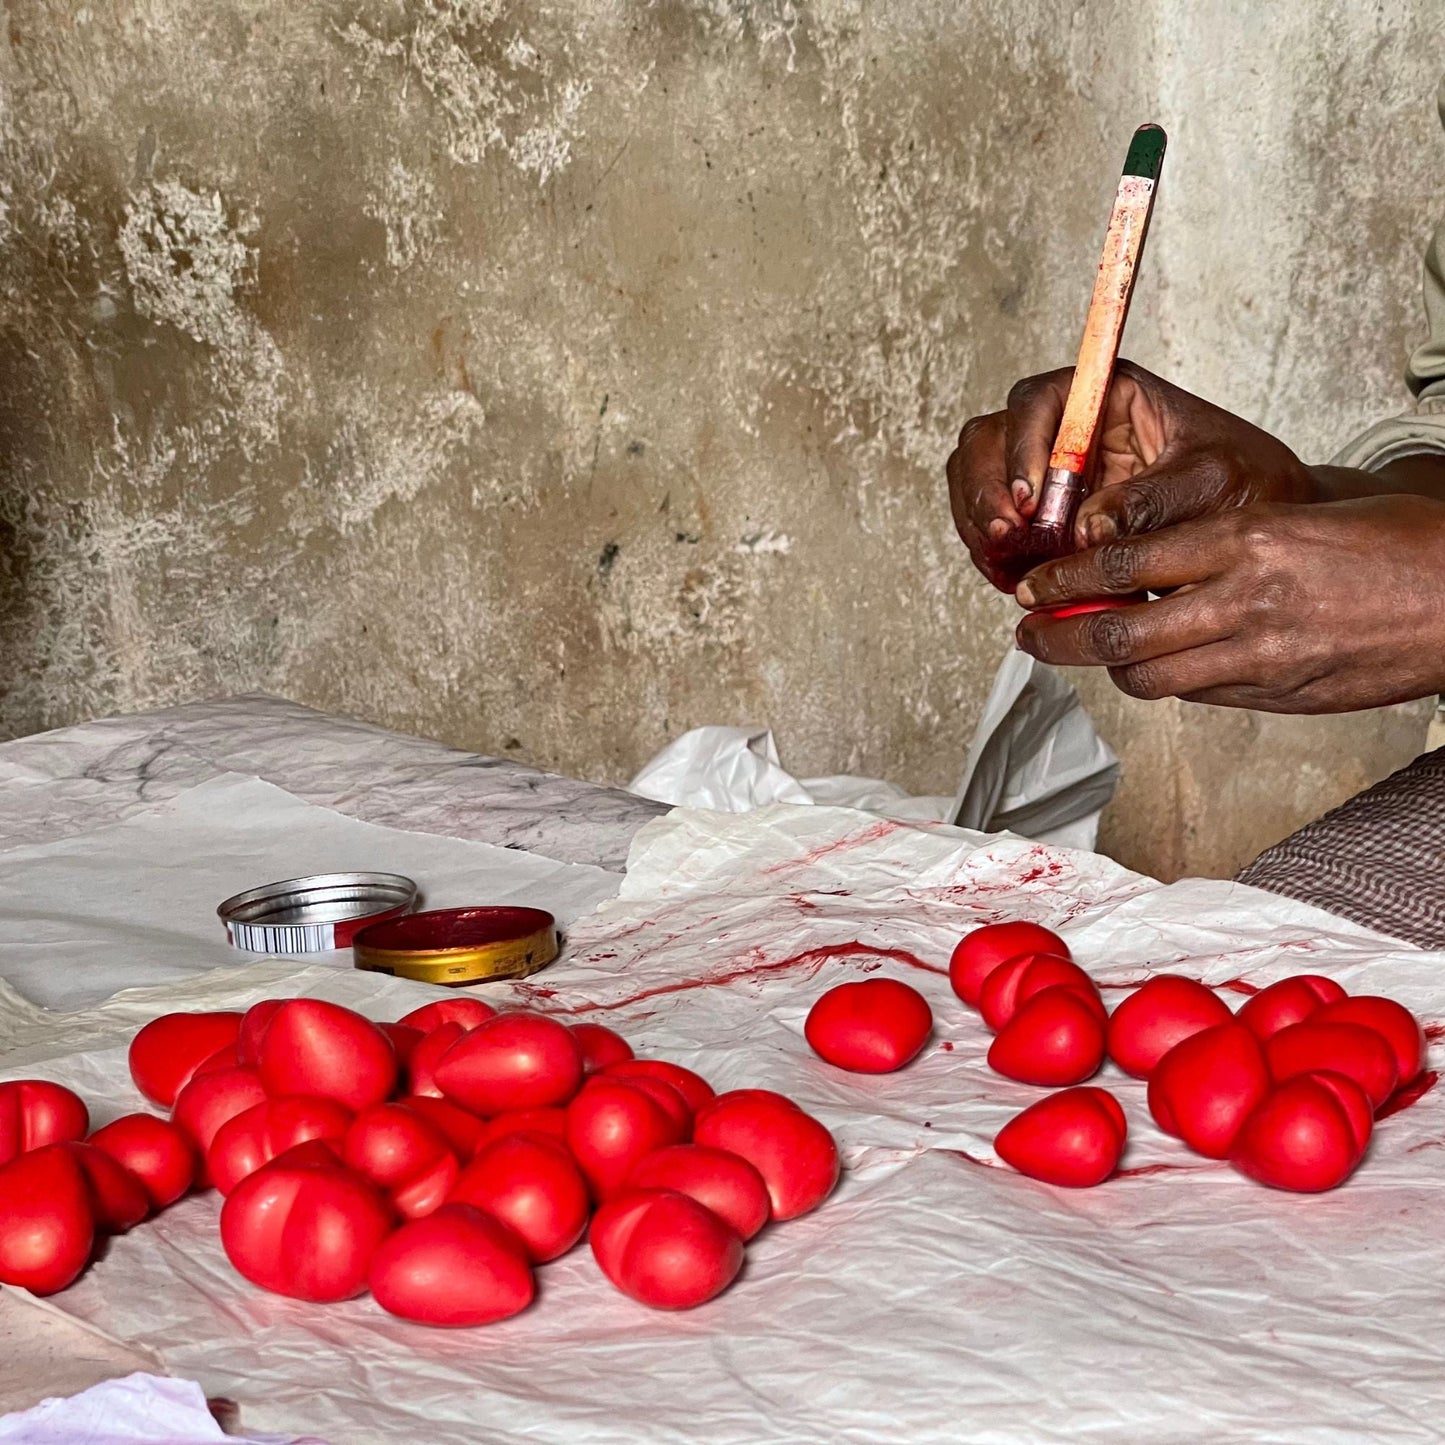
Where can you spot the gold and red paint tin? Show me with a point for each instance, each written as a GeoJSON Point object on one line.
{"type": "Point", "coordinates": [457, 946]}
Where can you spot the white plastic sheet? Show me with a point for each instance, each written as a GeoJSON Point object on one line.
{"type": "Point", "coordinates": [134, 904]}
{"type": "Point", "coordinates": [937, 1297]}
{"type": "Point", "coordinates": [1035, 767]}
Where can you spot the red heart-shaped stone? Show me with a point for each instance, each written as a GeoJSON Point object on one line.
{"type": "Point", "coordinates": [981, 951]}
{"type": "Point", "coordinates": [1392, 1021]}
{"type": "Point", "coordinates": [404, 1155]}
{"type": "Point", "coordinates": [611, 1125]}
{"type": "Point", "coordinates": [1074, 1138]}
{"type": "Point", "coordinates": [600, 1047]}
{"type": "Point", "coordinates": [1205, 1087]}
{"type": "Point", "coordinates": [873, 1026]}
{"type": "Point", "coordinates": [47, 1229]}
{"type": "Point", "coordinates": [1342, 1048]}
{"type": "Point", "coordinates": [35, 1112]}
{"type": "Point", "coordinates": [463, 1010]}
{"type": "Point", "coordinates": [118, 1200]}
{"type": "Point", "coordinates": [1054, 1039]}
{"type": "Point", "coordinates": [725, 1183]}
{"type": "Point", "coordinates": [314, 1047]}
{"type": "Point", "coordinates": [534, 1187]}
{"type": "Point", "coordinates": [166, 1052]}
{"type": "Point", "coordinates": [457, 1267]}
{"type": "Point", "coordinates": [155, 1151]}
{"type": "Point", "coordinates": [1290, 1001]}
{"type": "Point", "coordinates": [463, 1130]}
{"type": "Point", "coordinates": [1308, 1135]}
{"type": "Point", "coordinates": [253, 1138]}
{"type": "Point", "coordinates": [305, 1226]}
{"type": "Point", "coordinates": [794, 1153]}
{"type": "Point", "coordinates": [514, 1061]}
{"type": "Point", "coordinates": [209, 1101]}
{"type": "Point", "coordinates": [1015, 982]}
{"type": "Point", "coordinates": [665, 1249]}
{"type": "Point", "coordinates": [1158, 1015]}
{"type": "Point", "coordinates": [695, 1090]}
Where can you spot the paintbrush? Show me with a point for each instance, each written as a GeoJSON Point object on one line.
{"type": "Point", "coordinates": [1066, 481]}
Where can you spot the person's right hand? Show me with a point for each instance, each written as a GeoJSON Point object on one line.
{"type": "Point", "coordinates": [1163, 456]}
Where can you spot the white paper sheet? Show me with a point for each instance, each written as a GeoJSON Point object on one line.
{"type": "Point", "coordinates": [134, 904]}
{"type": "Point", "coordinates": [938, 1297]}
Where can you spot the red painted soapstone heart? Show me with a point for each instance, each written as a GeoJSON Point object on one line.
{"type": "Point", "coordinates": [611, 1125]}
{"type": "Point", "coordinates": [256, 1136]}
{"type": "Point", "coordinates": [209, 1101]}
{"type": "Point", "coordinates": [35, 1112]}
{"type": "Point", "coordinates": [695, 1090]}
{"type": "Point", "coordinates": [600, 1047]}
{"type": "Point", "coordinates": [305, 1226]}
{"type": "Point", "coordinates": [314, 1047]}
{"type": "Point", "coordinates": [404, 1041]}
{"type": "Point", "coordinates": [1074, 1138]}
{"type": "Point", "coordinates": [725, 1183]}
{"type": "Point", "coordinates": [455, 1268]}
{"type": "Point", "coordinates": [1018, 980]}
{"type": "Point", "coordinates": [534, 1187]}
{"type": "Point", "coordinates": [254, 1023]}
{"type": "Point", "coordinates": [794, 1153]}
{"type": "Point", "coordinates": [47, 1229]}
{"type": "Point", "coordinates": [514, 1061]}
{"type": "Point", "coordinates": [463, 1010]}
{"type": "Point", "coordinates": [871, 1027]}
{"type": "Point", "coordinates": [1158, 1015]}
{"type": "Point", "coordinates": [463, 1130]}
{"type": "Point", "coordinates": [668, 1100]}
{"type": "Point", "coordinates": [1308, 1135]}
{"type": "Point", "coordinates": [1342, 1048]}
{"type": "Point", "coordinates": [1392, 1021]}
{"type": "Point", "coordinates": [981, 951]}
{"type": "Point", "coordinates": [404, 1155]}
{"type": "Point", "coordinates": [1290, 1001]}
{"type": "Point", "coordinates": [155, 1151]}
{"type": "Point", "coordinates": [1054, 1039]}
{"type": "Point", "coordinates": [665, 1249]}
{"type": "Point", "coordinates": [118, 1200]}
{"type": "Point", "coordinates": [1205, 1087]}
{"type": "Point", "coordinates": [166, 1052]}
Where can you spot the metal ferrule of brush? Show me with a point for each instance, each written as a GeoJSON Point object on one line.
{"type": "Point", "coordinates": [1059, 499]}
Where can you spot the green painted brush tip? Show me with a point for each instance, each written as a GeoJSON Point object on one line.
{"type": "Point", "coordinates": [1146, 152]}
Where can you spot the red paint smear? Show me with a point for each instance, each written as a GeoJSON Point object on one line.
{"type": "Point", "coordinates": [871, 834]}
{"type": "Point", "coordinates": [1410, 1094]}
{"type": "Point", "coordinates": [946, 1046]}
{"type": "Point", "coordinates": [1142, 1171]}
{"type": "Point", "coordinates": [1238, 985]}
{"type": "Point", "coordinates": [810, 957]}
{"type": "Point", "coordinates": [1435, 1032]}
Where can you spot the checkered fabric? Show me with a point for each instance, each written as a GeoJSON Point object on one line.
{"type": "Point", "coordinates": [1378, 859]}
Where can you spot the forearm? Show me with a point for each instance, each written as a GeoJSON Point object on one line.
{"type": "Point", "coordinates": [1420, 475]}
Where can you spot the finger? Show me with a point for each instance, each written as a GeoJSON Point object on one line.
{"type": "Point", "coordinates": [1035, 408]}
{"type": "Point", "coordinates": [1175, 557]}
{"type": "Point", "coordinates": [977, 487]}
{"type": "Point", "coordinates": [1125, 636]}
{"type": "Point", "coordinates": [1177, 488]}
{"type": "Point", "coordinates": [1213, 673]}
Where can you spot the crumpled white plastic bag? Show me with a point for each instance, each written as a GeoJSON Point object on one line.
{"type": "Point", "coordinates": [136, 1409]}
{"type": "Point", "coordinates": [1035, 767]}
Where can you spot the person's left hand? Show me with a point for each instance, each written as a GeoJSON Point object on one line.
{"type": "Point", "coordinates": [1303, 609]}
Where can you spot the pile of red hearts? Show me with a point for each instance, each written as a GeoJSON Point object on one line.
{"type": "Point", "coordinates": [436, 1161]}
{"type": "Point", "coordinates": [1287, 1089]}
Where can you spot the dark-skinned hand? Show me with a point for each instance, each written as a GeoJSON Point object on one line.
{"type": "Point", "coordinates": [1163, 456]}
{"type": "Point", "coordinates": [1280, 608]}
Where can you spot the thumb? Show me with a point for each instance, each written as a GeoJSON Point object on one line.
{"type": "Point", "coordinates": [1177, 486]}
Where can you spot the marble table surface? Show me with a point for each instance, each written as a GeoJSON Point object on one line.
{"type": "Point", "coordinates": [60, 784]}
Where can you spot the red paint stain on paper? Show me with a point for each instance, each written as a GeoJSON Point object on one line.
{"type": "Point", "coordinates": [871, 834]}
{"type": "Point", "coordinates": [1410, 1094]}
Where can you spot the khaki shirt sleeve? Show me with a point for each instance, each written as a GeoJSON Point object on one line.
{"type": "Point", "coordinates": [1423, 428]}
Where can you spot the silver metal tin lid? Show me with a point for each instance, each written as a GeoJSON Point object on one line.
{"type": "Point", "coordinates": [315, 914]}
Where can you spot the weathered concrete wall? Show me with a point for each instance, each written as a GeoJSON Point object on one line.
{"type": "Point", "coordinates": [552, 378]}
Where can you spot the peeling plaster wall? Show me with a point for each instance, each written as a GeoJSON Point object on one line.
{"type": "Point", "coordinates": [553, 378]}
